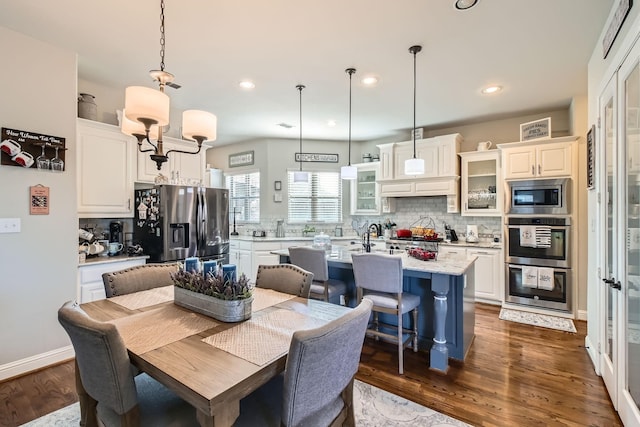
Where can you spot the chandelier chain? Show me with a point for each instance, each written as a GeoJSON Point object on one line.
{"type": "Point", "coordinates": [162, 41]}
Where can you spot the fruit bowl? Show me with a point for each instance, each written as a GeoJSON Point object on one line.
{"type": "Point", "coordinates": [422, 254]}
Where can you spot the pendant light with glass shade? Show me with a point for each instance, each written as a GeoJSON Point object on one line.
{"type": "Point", "coordinates": [147, 111]}
{"type": "Point", "coordinates": [414, 166]}
{"type": "Point", "coordinates": [299, 176]}
{"type": "Point", "coordinates": [349, 172]}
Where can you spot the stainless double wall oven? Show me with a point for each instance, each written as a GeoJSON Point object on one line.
{"type": "Point", "coordinates": [539, 246]}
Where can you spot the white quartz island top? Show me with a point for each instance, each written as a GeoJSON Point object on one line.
{"type": "Point", "coordinates": [451, 264]}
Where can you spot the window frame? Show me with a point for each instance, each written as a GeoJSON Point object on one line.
{"type": "Point", "coordinates": [313, 214]}
{"type": "Point", "coordinates": [244, 216]}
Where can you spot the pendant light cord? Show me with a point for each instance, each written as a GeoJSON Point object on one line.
{"type": "Point", "coordinates": [300, 87]}
{"type": "Point", "coordinates": [350, 71]}
{"type": "Point", "coordinates": [414, 50]}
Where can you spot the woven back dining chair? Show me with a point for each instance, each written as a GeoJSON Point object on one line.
{"type": "Point", "coordinates": [315, 261]}
{"type": "Point", "coordinates": [107, 377]}
{"type": "Point", "coordinates": [138, 278]}
{"type": "Point", "coordinates": [379, 278]}
{"type": "Point", "coordinates": [286, 278]}
{"type": "Point", "coordinates": [317, 387]}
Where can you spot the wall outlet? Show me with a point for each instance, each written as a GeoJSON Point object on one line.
{"type": "Point", "coordinates": [9, 225]}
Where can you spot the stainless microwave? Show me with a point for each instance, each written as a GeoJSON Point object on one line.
{"type": "Point", "coordinates": [539, 197]}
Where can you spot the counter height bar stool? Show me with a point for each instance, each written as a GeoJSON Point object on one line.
{"type": "Point", "coordinates": [286, 278]}
{"type": "Point", "coordinates": [315, 261]}
{"type": "Point", "coordinates": [138, 278]}
{"type": "Point", "coordinates": [379, 278]}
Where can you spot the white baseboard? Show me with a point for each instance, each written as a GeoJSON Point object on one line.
{"type": "Point", "coordinates": [20, 367]}
{"type": "Point", "coordinates": [593, 354]}
{"type": "Point", "coordinates": [581, 315]}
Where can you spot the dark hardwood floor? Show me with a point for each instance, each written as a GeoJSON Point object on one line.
{"type": "Point", "coordinates": [514, 375]}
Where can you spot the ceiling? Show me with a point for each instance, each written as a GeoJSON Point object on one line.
{"type": "Point", "coordinates": [537, 51]}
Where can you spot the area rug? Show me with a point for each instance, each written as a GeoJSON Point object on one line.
{"type": "Point", "coordinates": [373, 407]}
{"type": "Point", "coordinates": [535, 319]}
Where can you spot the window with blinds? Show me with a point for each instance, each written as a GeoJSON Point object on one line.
{"type": "Point", "coordinates": [319, 200]}
{"type": "Point", "coordinates": [244, 196]}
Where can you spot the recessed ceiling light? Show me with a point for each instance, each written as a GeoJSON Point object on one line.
{"type": "Point", "coordinates": [491, 89]}
{"type": "Point", "coordinates": [465, 4]}
{"type": "Point", "coordinates": [369, 80]}
{"type": "Point", "coordinates": [331, 123]}
{"type": "Point", "coordinates": [247, 84]}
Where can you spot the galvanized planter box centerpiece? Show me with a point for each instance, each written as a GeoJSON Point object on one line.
{"type": "Point", "coordinates": [223, 310]}
{"type": "Point", "coordinates": [215, 294]}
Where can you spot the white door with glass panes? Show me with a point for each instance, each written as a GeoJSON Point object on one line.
{"type": "Point", "coordinates": [609, 298]}
{"type": "Point", "coordinates": [481, 183]}
{"type": "Point", "coordinates": [628, 294]}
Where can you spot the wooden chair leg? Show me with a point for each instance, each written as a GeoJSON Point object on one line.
{"type": "Point", "coordinates": [88, 415]}
{"type": "Point", "coordinates": [415, 330]}
{"type": "Point", "coordinates": [400, 345]}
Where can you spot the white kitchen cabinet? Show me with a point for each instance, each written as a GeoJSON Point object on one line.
{"type": "Point", "coordinates": [489, 282]}
{"type": "Point", "coordinates": [365, 191]}
{"type": "Point", "coordinates": [262, 256]}
{"type": "Point", "coordinates": [488, 278]}
{"type": "Point", "coordinates": [178, 166]}
{"type": "Point", "coordinates": [440, 155]}
{"type": "Point", "coordinates": [385, 171]}
{"type": "Point", "coordinates": [481, 183]}
{"type": "Point", "coordinates": [538, 159]}
{"type": "Point", "coordinates": [90, 284]}
{"type": "Point", "coordinates": [104, 159]}
{"type": "Point", "coordinates": [240, 255]}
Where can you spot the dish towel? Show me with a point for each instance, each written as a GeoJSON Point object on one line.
{"type": "Point", "coordinates": [545, 278]}
{"type": "Point", "coordinates": [530, 277]}
{"type": "Point", "coordinates": [543, 237]}
{"type": "Point", "coordinates": [528, 236]}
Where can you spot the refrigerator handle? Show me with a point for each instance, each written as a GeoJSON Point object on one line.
{"type": "Point", "coordinates": [202, 220]}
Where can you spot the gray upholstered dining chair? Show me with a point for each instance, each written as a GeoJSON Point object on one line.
{"type": "Point", "coordinates": [317, 386]}
{"type": "Point", "coordinates": [138, 278]}
{"type": "Point", "coordinates": [286, 278]}
{"type": "Point", "coordinates": [107, 377]}
{"type": "Point", "coordinates": [379, 278]}
{"type": "Point", "coordinates": [315, 261]}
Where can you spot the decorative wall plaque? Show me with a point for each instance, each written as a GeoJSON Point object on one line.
{"type": "Point", "coordinates": [317, 157]}
{"type": "Point", "coordinates": [39, 200]}
{"type": "Point", "coordinates": [537, 129]}
{"type": "Point", "coordinates": [591, 156]}
{"type": "Point", "coordinates": [31, 150]}
{"type": "Point", "coordinates": [241, 159]}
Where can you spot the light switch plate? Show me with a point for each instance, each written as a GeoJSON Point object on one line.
{"type": "Point", "coordinates": [9, 225]}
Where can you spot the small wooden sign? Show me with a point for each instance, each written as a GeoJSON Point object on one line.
{"type": "Point", "coordinates": [537, 129]}
{"type": "Point", "coordinates": [39, 200]}
{"type": "Point", "coordinates": [316, 157]}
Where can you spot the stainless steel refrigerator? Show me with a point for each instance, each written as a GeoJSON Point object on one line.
{"type": "Point", "coordinates": [174, 222]}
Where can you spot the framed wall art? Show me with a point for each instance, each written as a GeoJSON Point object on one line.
{"type": "Point", "coordinates": [591, 157]}
{"type": "Point", "coordinates": [537, 129]}
{"type": "Point", "coordinates": [241, 159]}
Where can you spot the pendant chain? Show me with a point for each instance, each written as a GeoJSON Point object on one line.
{"type": "Point", "coordinates": [162, 42]}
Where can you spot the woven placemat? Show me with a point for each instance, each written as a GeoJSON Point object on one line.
{"type": "Point", "coordinates": [263, 338]}
{"type": "Point", "coordinates": [155, 328]}
{"type": "Point", "coordinates": [142, 299]}
{"type": "Point", "coordinates": [263, 298]}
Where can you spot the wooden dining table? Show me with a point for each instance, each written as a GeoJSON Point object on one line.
{"type": "Point", "coordinates": [208, 363]}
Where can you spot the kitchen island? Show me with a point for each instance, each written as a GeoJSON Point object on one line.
{"type": "Point", "coordinates": [446, 287]}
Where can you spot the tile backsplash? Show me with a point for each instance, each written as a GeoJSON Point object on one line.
{"type": "Point", "coordinates": [409, 210]}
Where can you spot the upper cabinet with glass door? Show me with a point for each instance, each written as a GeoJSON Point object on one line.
{"type": "Point", "coordinates": [481, 184]}
{"type": "Point", "coordinates": [365, 192]}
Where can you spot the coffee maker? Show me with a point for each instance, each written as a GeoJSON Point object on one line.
{"type": "Point", "coordinates": [116, 232]}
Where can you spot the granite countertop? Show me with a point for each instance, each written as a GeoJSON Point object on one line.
{"type": "Point", "coordinates": [451, 264]}
{"type": "Point", "coordinates": [109, 259]}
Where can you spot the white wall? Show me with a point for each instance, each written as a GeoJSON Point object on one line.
{"type": "Point", "coordinates": [38, 264]}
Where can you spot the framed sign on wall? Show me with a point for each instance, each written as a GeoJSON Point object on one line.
{"type": "Point", "coordinates": [591, 157]}
{"type": "Point", "coordinates": [317, 157]}
{"type": "Point", "coordinates": [537, 129]}
{"type": "Point", "coordinates": [241, 159]}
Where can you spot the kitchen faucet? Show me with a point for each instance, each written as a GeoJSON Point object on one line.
{"type": "Point", "coordinates": [367, 244]}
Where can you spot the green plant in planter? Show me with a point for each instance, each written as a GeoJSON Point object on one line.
{"type": "Point", "coordinates": [214, 284]}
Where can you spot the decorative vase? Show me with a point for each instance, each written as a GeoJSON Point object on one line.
{"type": "Point", "coordinates": [87, 108]}
{"type": "Point", "coordinates": [223, 310]}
